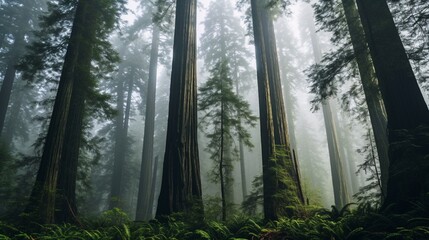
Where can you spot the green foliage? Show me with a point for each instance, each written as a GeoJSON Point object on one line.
{"type": "Point", "coordinates": [364, 222]}
{"type": "Point", "coordinates": [371, 193]}
{"type": "Point", "coordinates": [220, 105]}
{"type": "Point", "coordinates": [255, 198]}
{"type": "Point", "coordinates": [224, 120]}
{"type": "Point", "coordinates": [115, 217]}
{"type": "Point", "coordinates": [287, 193]}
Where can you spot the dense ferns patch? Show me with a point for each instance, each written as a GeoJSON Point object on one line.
{"type": "Point", "coordinates": [363, 222]}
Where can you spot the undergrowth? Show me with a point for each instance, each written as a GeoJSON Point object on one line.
{"type": "Point", "coordinates": [363, 222]}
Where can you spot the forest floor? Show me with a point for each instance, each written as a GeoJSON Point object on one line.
{"type": "Point", "coordinates": [360, 223]}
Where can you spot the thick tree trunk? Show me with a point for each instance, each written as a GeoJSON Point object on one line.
{"type": "Point", "coordinates": [66, 207]}
{"type": "Point", "coordinates": [370, 86]}
{"type": "Point", "coordinates": [41, 205]}
{"type": "Point", "coordinates": [405, 106]}
{"type": "Point", "coordinates": [271, 109]}
{"type": "Point", "coordinates": [289, 101]}
{"type": "Point", "coordinates": [144, 205]}
{"type": "Point", "coordinates": [181, 181]}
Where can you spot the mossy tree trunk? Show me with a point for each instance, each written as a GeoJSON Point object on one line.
{"type": "Point", "coordinates": [272, 113]}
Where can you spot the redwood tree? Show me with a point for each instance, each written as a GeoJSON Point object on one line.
{"type": "Point", "coordinates": [181, 181]}
{"type": "Point", "coordinates": [407, 112]}
{"type": "Point", "coordinates": [274, 136]}
{"type": "Point", "coordinates": [42, 200]}
{"type": "Point", "coordinates": [53, 198]}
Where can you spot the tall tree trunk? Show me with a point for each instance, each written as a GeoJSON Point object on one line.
{"type": "Point", "coordinates": [289, 101]}
{"type": "Point", "coordinates": [228, 169]}
{"type": "Point", "coordinates": [240, 144]}
{"type": "Point", "coordinates": [41, 205]}
{"type": "Point", "coordinates": [370, 86]}
{"type": "Point", "coordinates": [115, 187]}
{"type": "Point", "coordinates": [117, 193]}
{"type": "Point", "coordinates": [405, 106]}
{"type": "Point", "coordinates": [221, 167]}
{"type": "Point", "coordinates": [144, 205]}
{"type": "Point", "coordinates": [337, 169]}
{"type": "Point", "coordinates": [181, 181]}
{"type": "Point", "coordinates": [66, 207]}
{"type": "Point", "coordinates": [271, 108]}
{"type": "Point", "coordinates": [346, 153]}
{"type": "Point", "coordinates": [339, 182]}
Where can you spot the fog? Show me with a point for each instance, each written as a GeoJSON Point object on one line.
{"type": "Point", "coordinates": [111, 149]}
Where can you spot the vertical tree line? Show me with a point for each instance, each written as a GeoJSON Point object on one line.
{"type": "Point", "coordinates": [272, 116]}
{"type": "Point", "coordinates": [181, 182]}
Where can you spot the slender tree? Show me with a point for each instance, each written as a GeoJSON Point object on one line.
{"type": "Point", "coordinates": [144, 205]}
{"type": "Point", "coordinates": [131, 73]}
{"type": "Point", "coordinates": [228, 43]}
{"type": "Point", "coordinates": [117, 192]}
{"type": "Point", "coordinates": [341, 194]}
{"type": "Point", "coordinates": [223, 110]}
{"type": "Point", "coordinates": [181, 181]}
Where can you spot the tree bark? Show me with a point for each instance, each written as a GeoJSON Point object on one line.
{"type": "Point", "coordinates": [405, 106]}
{"type": "Point", "coordinates": [271, 111]}
{"type": "Point", "coordinates": [371, 89]}
{"type": "Point", "coordinates": [66, 207]}
{"type": "Point", "coordinates": [115, 187]}
{"type": "Point", "coordinates": [181, 181]}
{"type": "Point", "coordinates": [41, 205]}
{"type": "Point", "coordinates": [339, 182]}
{"type": "Point", "coordinates": [144, 205]}
{"type": "Point", "coordinates": [153, 187]}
